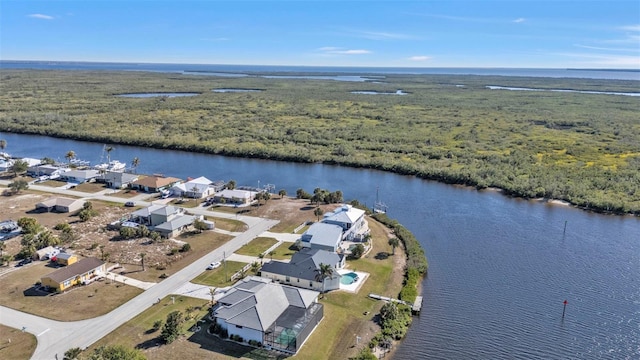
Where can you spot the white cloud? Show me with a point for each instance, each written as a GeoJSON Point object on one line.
{"type": "Point", "coordinates": [373, 35]}
{"type": "Point", "coordinates": [419, 58]}
{"type": "Point", "coordinates": [630, 28]}
{"type": "Point", "coordinates": [40, 16]}
{"type": "Point", "coordinates": [519, 20]}
{"type": "Point", "coordinates": [330, 50]}
{"type": "Point", "coordinates": [604, 48]}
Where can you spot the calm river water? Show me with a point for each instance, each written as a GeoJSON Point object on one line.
{"type": "Point", "coordinates": [500, 268]}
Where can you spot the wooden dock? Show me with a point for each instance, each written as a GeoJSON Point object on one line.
{"type": "Point", "coordinates": [417, 305]}
{"type": "Point", "coordinates": [380, 297]}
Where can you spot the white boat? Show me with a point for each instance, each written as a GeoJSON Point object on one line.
{"type": "Point", "coordinates": [113, 165]}
{"type": "Point", "coordinates": [379, 207]}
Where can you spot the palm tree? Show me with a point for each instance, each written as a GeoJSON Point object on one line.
{"type": "Point", "coordinates": [261, 257]}
{"type": "Point", "coordinates": [142, 255]}
{"type": "Point", "coordinates": [271, 253]}
{"type": "Point", "coordinates": [212, 292]}
{"type": "Point", "coordinates": [70, 155]}
{"type": "Point", "coordinates": [282, 193]}
{"type": "Point", "coordinates": [135, 162]}
{"type": "Point", "coordinates": [258, 197]}
{"type": "Point", "coordinates": [255, 267]}
{"type": "Point", "coordinates": [322, 272]}
{"type": "Point", "coordinates": [394, 242]}
{"type": "Point", "coordinates": [72, 354]}
{"type": "Point", "coordinates": [318, 212]}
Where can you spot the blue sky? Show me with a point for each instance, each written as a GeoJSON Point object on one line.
{"type": "Point", "coordinates": [516, 33]}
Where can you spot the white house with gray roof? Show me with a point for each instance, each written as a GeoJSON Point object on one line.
{"type": "Point", "coordinates": [167, 220]}
{"type": "Point", "coordinates": [322, 236]}
{"type": "Point", "coordinates": [79, 176]}
{"type": "Point", "coordinates": [350, 219]}
{"type": "Point", "coordinates": [276, 316]}
{"type": "Point", "coordinates": [304, 270]}
{"type": "Point", "coordinates": [197, 188]}
{"type": "Point", "coordinates": [119, 179]}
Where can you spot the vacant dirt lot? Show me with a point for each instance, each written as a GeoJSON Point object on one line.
{"type": "Point", "coordinates": [91, 237]}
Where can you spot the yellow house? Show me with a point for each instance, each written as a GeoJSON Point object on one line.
{"type": "Point", "coordinates": [82, 271]}
{"type": "Point", "coordinates": [66, 259]}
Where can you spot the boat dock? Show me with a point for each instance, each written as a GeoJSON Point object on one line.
{"type": "Point", "coordinates": [415, 307]}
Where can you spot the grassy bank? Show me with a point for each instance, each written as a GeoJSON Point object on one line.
{"type": "Point", "coordinates": [581, 148]}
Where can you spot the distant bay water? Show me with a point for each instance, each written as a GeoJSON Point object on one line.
{"type": "Point", "coordinates": [243, 70]}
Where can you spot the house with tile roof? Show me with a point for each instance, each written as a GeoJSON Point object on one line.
{"type": "Point", "coordinates": [154, 183]}
{"type": "Point", "coordinates": [258, 311]}
{"type": "Point", "coordinates": [304, 268]}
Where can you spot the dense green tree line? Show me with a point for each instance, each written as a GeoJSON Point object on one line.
{"type": "Point", "coordinates": [582, 148]}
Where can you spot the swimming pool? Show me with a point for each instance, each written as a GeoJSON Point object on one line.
{"type": "Point", "coordinates": [349, 278]}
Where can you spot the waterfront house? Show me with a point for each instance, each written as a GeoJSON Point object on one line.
{"type": "Point", "coordinates": [350, 219]}
{"type": "Point", "coordinates": [238, 197]}
{"type": "Point", "coordinates": [6, 164]}
{"type": "Point", "coordinates": [83, 271]}
{"type": "Point", "coordinates": [60, 204]}
{"type": "Point", "coordinates": [31, 161]}
{"type": "Point", "coordinates": [118, 179]}
{"type": "Point", "coordinates": [196, 188]}
{"type": "Point", "coordinates": [154, 183]}
{"type": "Point", "coordinates": [322, 236]}
{"type": "Point", "coordinates": [258, 311]}
{"type": "Point", "coordinates": [45, 170]}
{"type": "Point", "coordinates": [304, 270]}
{"type": "Point", "coordinates": [79, 176]}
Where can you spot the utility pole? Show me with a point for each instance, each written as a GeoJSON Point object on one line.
{"type": "Point", "coordinates": [564, 308]}
{"type": "Point", "coordinates": [224, 261]}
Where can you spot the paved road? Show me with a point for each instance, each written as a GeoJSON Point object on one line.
{"type": "Point", "coordinates": [54, 337]}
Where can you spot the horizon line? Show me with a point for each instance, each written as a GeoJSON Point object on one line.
{"type": "Point", "coordinates": [327, 66]}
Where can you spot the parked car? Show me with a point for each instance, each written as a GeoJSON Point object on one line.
{"type": "Point", "coordinates": [214, 265]}
{"type": "Point", "coordinates": [24, 262]}
{"type": "Point", "coordinates": [129, 204]}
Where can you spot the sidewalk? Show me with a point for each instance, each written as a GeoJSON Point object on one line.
{"type": "Point", "coordinates": [129, 281]}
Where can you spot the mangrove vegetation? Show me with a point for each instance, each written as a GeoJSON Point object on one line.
{"type": "Point", "coordinates": [583, 148]}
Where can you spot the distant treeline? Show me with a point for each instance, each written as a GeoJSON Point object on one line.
{"type": "Point", "coordinates": [581, 148]}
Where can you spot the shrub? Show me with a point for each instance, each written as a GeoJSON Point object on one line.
{"type": "Point", "coordinates": [62, 227]}
{"type": "Point", "coordinates": [157, 325]}
{"type": "Point", "coordinates": [186, 247]}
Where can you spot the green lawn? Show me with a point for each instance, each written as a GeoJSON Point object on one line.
{"type": "Point", "coordinates": [257, 246]}
{"type": "Point", "coordinates": [282, 252]}
{"type": "Point", "coordinates": [229, 224]}
{"type": "Point", "coordinates": [216, 277]}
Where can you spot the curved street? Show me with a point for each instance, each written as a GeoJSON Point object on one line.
{"type": "Point", "coordinates": [56, 337]}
